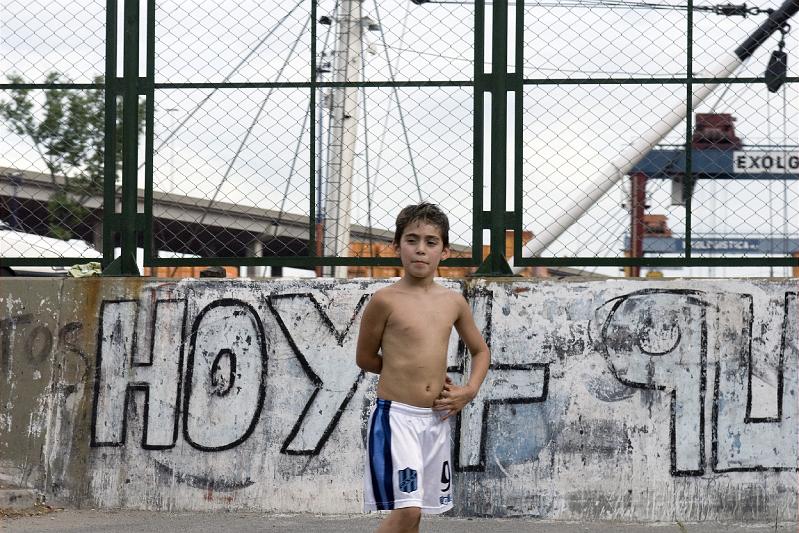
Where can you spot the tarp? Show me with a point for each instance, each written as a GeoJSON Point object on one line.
{"type": "Point", "coordinates": [16, 244]}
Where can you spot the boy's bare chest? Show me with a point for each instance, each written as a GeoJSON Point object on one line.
{"type": "Point", "coordinates": [421, 322]}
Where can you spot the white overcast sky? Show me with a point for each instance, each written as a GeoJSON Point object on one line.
{"type": "Point", "coordinates": [569, 130]}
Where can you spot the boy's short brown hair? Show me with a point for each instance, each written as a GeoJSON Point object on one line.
{"type": "Point", "coordinates": [424, 212]}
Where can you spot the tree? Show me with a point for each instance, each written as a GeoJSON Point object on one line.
{"type": "Point", "coordinates": [68, 134]}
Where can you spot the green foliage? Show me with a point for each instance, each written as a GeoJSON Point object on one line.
{"type": "Point", "coordinates": [67, 130]}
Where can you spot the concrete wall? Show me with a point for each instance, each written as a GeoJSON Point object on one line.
{"type": "Point", "coordinates": [626, 400]}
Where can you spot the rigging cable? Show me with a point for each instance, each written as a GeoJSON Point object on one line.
{"type": "Point", "coordinates": [320, 186]}
{"type": "Point", "coordinates": [399, 105]}
{"type": "Point", "coordinates": [617, 236]}
{"type": "Point", "coordinates": [281, 211]}
{"type": "Point", "coordinates": [722, 9]}
{"type": "Point", "coordinates": [227, 78]}
{"type": "Point", "coordinates": [208, 97]}
{"type": "Point", "coordinates": [368, 180]}
{"type": "Point", "coordinates": [254, 122]}
{"type": "Point", "coordinates": [770, 188]}
{"type": "Point", "coordinates": [320, 207]}
{"type": "Point", "coordinates": [383, 134]}
{"type": "Point", "coordinates": [785, 137]}
{"type": "Point", "coordinates": [550, 69]}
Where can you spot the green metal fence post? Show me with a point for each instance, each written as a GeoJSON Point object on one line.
{"type": "Point", "coordinates": [125, 223]}
{"type": "Point", "coordinates": [496, 264]}
{"type": "Point", "coordinates": [109, 154]}
{"type": "Point", "coordinates": [148, 241]}
{"type": "Point", "coordinates": [518, 128]}
{"type": "Point", "coordinates": [688, 182]}
{"type": "Point", "coordinates": [478, 152]}
{"type": "Point", "coordinates": [130, 139]}
{"type": "Point", "coordinates": [312, 133]}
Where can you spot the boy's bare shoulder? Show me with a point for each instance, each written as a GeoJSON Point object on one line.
{"type": "Point", "coordinates": [385, 292]}
{"type": "Point", "coordinates": [464, 308]}
{"type": "Point", "coordinates": [381, 296]}
{"type": "Point", "coordinates": [452, 294]}
{"type": "Point", "coordinates": [385, 298]}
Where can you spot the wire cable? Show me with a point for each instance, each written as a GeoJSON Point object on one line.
{"type": "Point", "coordinates": [535, 68]}
{"type": "Point", "coordinates": [399, 106]}
{"type": "Point", "coordinates": [320, 204]}
{"type": "Point", "coordinates": [768, 184]}
{"type": "Point", "coordinates": [785, 137]}
{"type": "Point", "coordinates": [252, 125]}
{"type": "Point", "coordinates": [723, 9]}
{"type": "Point", "coordinates": [382, 143]}
{"type": "Point", "coordinates": [368, 180]}
{"type": "Point", "coordinates": [281, 211]}
{"type": "Point", "coordinates": [613, 236]}
{"type": "Point", "coordinates": [305, 119]}
{"type": "Point", "coordinates": [227, 78]}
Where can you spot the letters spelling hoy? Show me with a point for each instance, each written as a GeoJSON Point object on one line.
{"type": "Point", "coordinates": [760, 162]}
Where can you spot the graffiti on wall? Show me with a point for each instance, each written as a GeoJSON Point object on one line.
{"type": "Point", "coordinates": [507, 383]}
{"type": "Point", "coordinates": [323, 352]}
{"type": "Point", "coordinates": [22, 335]}
{"type": "Point", "coordinates": [203, 374]}
{"type": "Point", "coordinates": [665, 347]}
{"type": "Point", "coordinates": [37, 339]}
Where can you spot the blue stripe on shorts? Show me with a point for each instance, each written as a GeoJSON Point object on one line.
{"type": "Point", "coordinates": [380, 464]}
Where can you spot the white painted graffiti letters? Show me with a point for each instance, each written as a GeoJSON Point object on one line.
{"type": "Point", "coordinates": [505, 384]}
{"type": "Point", "coordinates": [210, 379]}
{"type": "Point", "coordinates": [655, 339]}
{"type": "Point", "coordinates": [326, 356]}
{"type": "Point", "coordinates": [225, 376]}
{"type": "Point", "coordinates": [124, 366]}
{"type": "Point", "coordinates": [743, 442]}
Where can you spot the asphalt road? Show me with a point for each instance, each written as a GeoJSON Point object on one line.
{"type": "Point", "coordinates": [69, 521]}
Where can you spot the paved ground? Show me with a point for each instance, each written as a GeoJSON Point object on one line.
{"type": "Point", "coordinates": [234, 522]}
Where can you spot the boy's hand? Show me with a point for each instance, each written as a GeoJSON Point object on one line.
{"type": "Point", "coordinates": [453, 398]}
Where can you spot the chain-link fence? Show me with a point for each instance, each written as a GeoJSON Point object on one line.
{"type": "Point", "coordinates": [602, 133]}
{"type": "Point", "coordinates": [52, 115]}
{"type": "Point", "coordinates": [639, 120]}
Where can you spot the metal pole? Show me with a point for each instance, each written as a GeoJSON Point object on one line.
{"type": "Point", "coordinates": [637, 207]}
{"type": "Point", "coordinates": [130, 138]}
{"type": "Point", "coordinates": [499, 134]}
{"type": "Point", "coordinates": [495, 264]}
{"type": "Point", "coordinates": [344, 122]}
{"type": "Point", "coordinates": [110, 142]}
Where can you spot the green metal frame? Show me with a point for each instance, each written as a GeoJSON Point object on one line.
{"type": "Point", "coordinates": [109, 177]}
{"type": "Point", "coordinates": [312, 260]}
{"type": "Point", "coordinates": [498, 82]}
{"type": "Point", "coordinates": [129, 227]}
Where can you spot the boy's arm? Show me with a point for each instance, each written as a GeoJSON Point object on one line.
{"type": "Point", "coordinates": [370, 334]}
{"type": "Point", "coordinates": [454, 398]}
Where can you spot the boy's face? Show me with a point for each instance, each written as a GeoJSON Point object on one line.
{"type": "Point", "coordinates": [421, 248]}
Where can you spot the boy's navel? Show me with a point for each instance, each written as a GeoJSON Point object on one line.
{"type": "Point", "coordinates": [427, 388]}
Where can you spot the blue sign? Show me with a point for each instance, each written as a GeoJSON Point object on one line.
{"type": "Point", "coordinates": [719, 245]}
{"type": "Point", "coordinates": [721, 164]}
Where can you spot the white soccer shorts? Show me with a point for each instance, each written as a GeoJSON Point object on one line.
{"type": "Point", "coordinates": [408, 459]}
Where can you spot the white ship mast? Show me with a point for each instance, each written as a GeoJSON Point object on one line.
{"type": "Point", "coordinates": [337, 194]}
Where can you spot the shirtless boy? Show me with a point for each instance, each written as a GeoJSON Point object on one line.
{"type": "Point", "coordinates": [404, 337]}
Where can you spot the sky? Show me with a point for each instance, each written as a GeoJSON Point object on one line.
{"type": "Point", "coordinates": [253, 145]}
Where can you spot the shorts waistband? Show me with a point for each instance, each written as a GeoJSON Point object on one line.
{"type": "Point", "coordinates": [404, 408]}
